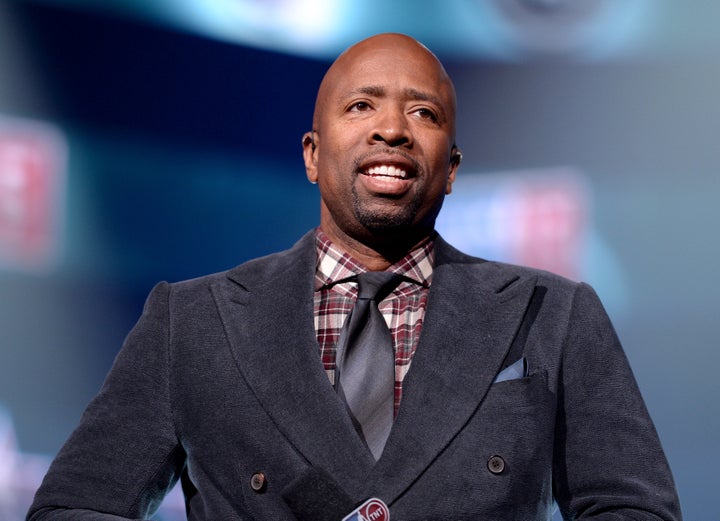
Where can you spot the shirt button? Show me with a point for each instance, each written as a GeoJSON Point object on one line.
{"type": "Point", "coordinates": [258, 482]}
{"type": "Point", "coordinates": [496, 465]}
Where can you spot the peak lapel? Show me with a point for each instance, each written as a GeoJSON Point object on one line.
{"type": "Point", "coordinates": [268, 317]}
{"type": "Point", "coordinates": [474, 311]}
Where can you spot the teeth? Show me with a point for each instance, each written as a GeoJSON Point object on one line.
{"type": "Point", "coordinates": [387, 171]}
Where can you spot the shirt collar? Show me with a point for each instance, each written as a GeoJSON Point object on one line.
{"type": "Point", "coordinates": [334, 264]}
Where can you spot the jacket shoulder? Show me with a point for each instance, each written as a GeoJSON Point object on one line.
{"type": "Point", "coordinates": [256, 271]}
{"type": "Point", "coordinates": [502, 273]}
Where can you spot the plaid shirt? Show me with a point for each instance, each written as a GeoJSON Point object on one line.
{"type": "Point", "coordinates": [403, 309]}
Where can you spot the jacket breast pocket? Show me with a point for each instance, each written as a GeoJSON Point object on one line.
{"type": "Point", "coordinates": [527, 392]}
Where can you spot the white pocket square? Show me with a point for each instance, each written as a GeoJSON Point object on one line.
{"type": "Point", "coordinates": [513, 372]}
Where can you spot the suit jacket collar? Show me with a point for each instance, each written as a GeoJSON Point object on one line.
{"type": "Point", "coordinates": [267, 311]}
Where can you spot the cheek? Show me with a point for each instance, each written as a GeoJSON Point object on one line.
{"type": "Point", "coordinates": [335, 190]}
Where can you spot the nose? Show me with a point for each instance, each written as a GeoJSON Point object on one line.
{"type": "Point", "coordinates": [391, 128]}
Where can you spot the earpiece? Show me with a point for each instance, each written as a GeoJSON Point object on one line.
{"type": "Point", "coordinates": [456, 157]}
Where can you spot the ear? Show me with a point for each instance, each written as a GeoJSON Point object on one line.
{"type": "Point", "coordinates": [455, 160]}
{"type": "Point", "coordinates": [309, 147]}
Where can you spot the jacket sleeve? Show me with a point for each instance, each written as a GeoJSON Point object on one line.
{"type": "Point", "coordinates": [608, 462]}
{"type": "Point", "coordinates": [124, 456]}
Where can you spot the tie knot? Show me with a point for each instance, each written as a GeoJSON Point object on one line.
{"type": "Point", "coordinates": [376, 285]}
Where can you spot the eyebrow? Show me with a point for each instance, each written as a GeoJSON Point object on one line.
{"type": "Point", "coordinates": [370, 90]}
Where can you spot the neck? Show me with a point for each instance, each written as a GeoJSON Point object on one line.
{"type": "Point", "coordinates": [375, 253]}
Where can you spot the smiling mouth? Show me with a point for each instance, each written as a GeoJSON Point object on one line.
{"type": "Point", "coordinates": [387, 171]}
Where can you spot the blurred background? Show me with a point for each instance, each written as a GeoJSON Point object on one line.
{"type": "Point", "coordinates": [160, 140]}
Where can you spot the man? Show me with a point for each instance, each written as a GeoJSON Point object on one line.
{"type": "Point", "coordinates": [511, 388]}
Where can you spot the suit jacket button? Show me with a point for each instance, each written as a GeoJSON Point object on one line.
{"type": "Point", "coordinates": [496, 465]}
{"type": "Point", "coordinates": [258, 481]}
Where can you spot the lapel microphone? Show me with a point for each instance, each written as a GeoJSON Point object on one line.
{"type": "Point", "coordinates": [316, 496]}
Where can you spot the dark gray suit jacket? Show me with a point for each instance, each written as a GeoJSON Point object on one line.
{"type": "Point", "coordinates": [221, 380]}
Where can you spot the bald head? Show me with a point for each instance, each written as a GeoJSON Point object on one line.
{"type": "Point", "coordinates": [382, 147]}
{"type": "Point", "coordinates": [369, 54]}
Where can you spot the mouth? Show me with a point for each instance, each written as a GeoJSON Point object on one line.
{"type": "Point", "coordinates": [388, 171]}
{"type": "Point", "coordinates": [392, 165]}
{"type": "Point", "coordinates": [387, 177]}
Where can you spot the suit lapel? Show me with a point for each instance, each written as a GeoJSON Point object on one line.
{"type": "Point", "coordinates": [466, 335]}
{"type": "Point", "coordinates": [267, 312]}
{"type": "Point", "coordinates": [268, 316]}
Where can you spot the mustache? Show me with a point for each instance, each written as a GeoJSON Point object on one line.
{"type": "Point", "coordinates": [385, 152]}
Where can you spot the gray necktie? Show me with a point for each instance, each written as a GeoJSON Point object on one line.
{"type": "Point", "coordinates": [365, 367]}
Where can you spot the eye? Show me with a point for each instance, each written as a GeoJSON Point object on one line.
{"type": "Point", "coordinates": [359, 106]}
{"type": "Point", "coordinates": [426, 113]}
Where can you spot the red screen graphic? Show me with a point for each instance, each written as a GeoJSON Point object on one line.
{"type": "Point", "coordinates": [31, 189]}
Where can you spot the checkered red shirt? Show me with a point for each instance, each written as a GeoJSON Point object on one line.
{"type": "Point", "coordinates": [403, 309]}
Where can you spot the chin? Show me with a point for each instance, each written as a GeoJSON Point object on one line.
{"type": "Point", "coordinates": [386, 223]}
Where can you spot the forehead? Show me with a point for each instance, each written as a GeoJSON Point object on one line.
{"type": "Point", "coordinates": [396, 67]}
